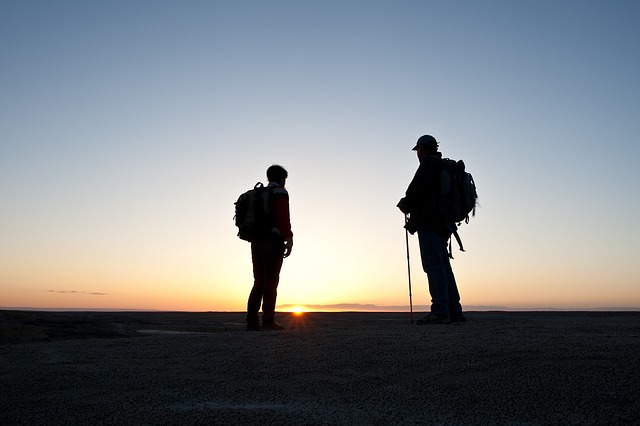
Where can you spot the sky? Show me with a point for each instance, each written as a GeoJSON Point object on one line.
{"type": "Point", "coordinates": [129, 128]}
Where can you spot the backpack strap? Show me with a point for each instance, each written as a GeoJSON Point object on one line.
{"type": "Point", "coordinates": [459, 240]}
{"type": "Point", "coordinates": [454, 232]}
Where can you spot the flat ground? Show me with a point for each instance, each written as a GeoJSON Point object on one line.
{"type": "Point", "coordinates": [325, 368]}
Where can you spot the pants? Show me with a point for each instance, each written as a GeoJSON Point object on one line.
{"type": "Point", "coordinates": [445, 299]}
{"type": "Point", "coordinates": [267, 257]}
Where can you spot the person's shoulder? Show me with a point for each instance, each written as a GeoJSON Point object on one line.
{"type": "Point", "coordinates": [432, 162]}
{"type": "Point", "coordinates": [429, 162]}
{"type": "Point", "coordinates": [280, 191]}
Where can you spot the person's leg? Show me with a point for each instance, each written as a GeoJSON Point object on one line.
{"type": "Point", "coordinates": [433, 252]}
{"type": "Point", "coordinates": [255, 296]}
{"type": "Point", "coordinates": [273, 265]}
{"type": "Point", "coordinates": [455, 309]}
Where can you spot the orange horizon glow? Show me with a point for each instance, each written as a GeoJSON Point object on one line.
{"type": "Point", "coordinates": [297, 300]}
{"type": "Point", "coordinates": [297, 310]}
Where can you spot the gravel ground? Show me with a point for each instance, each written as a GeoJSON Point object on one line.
{"type": "Point", "coordinates": [572, 368]}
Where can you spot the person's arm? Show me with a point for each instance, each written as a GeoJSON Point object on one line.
{"type": "Point", "coordinates": [283, 219]}
{"type": "Point", "coordinates": [421, 191]}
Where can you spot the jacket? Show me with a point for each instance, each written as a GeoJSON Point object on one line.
{"type": "Point", "coordinates": [280, 208]}
{"type": "Point", "coordinates": [421, 198]}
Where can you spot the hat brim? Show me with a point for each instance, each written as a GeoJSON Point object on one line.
{"type": "Point", "coordinates": [433, 147]}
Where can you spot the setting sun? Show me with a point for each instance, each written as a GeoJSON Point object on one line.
{"type": "Point", "coordinates": [298, 310]}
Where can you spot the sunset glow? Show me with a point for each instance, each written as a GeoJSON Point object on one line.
{"type": "Point", "coordinates": [296, 310]}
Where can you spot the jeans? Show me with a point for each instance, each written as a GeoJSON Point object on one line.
{"type": "Point", "coordinates": [445, 299]}
{"type": "Point", "coordinates": [267, 257]}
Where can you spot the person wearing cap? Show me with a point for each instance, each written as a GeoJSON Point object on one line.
{"type": "Point", "coordinates": [433, 231]}
{"type": "Point", "coordinates": [267, 254]}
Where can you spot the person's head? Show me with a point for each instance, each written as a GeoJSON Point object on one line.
{"type": "Point", "coordinates": [426, 145]}
{"type": "Point", "coordinates": [277, 174]}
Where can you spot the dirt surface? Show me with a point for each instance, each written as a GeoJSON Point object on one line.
{"type": "Point", "coordinates": [533, 368]}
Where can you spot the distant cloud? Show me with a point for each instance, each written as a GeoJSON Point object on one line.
{"type": "Point", "coordinates": [77, 292]}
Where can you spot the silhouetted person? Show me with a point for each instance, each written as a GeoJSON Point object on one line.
{"type": "Point", "coordinates": [433, 234]}
{"type": "Point", "coordinates": [267, 254]}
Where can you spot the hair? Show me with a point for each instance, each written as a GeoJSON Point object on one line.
{"type": "Point", "coordinates": [276, 173]}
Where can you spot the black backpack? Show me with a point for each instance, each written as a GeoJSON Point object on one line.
{"type": "Point", "coordinates": [458, 196]}
{"type": "Point", "coordinates": [253, 213]}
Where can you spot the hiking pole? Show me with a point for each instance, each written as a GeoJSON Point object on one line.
{"type": "Point", "coordinates": [406, 237]}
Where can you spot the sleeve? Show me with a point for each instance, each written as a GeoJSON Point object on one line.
{"type": "Point", "coordinates": [281, 208]}
{"type": "Point", "coordinates": [421, 188]}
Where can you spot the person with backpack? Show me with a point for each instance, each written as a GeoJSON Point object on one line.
{"type": "Point", "coordinates": [422, 204]}
{"type": "Point", "coordinates": [268, 249]}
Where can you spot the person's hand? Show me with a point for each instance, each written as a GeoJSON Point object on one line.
{"type": "Point", "coordinates": [288, 245]}
{"type": "Point", "coordinates": [402, 205]}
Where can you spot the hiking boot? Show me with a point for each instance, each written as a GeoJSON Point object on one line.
{"type": "Point", "coordinates": [252, 326]}
{"type": "Point", "coordinates": [272, 326]}
{"type": "Point", "coordinates": [457, 319]}
{"type": "Point", "coordinates": [434, 319]}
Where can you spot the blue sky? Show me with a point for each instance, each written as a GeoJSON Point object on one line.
{"type": "Point", "coordinates": [128, 129]}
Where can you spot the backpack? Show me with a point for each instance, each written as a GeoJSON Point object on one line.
{"type": "Point", "coordinates": [458, 196]}
{"type": "Point", "coordinates": [253, 213]}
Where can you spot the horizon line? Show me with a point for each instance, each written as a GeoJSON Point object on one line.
{"type": "Point", "coordinates": [345, 307]}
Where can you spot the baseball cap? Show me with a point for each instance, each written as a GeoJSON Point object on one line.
{"type": "Point", "coordinates": [427, 141]}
